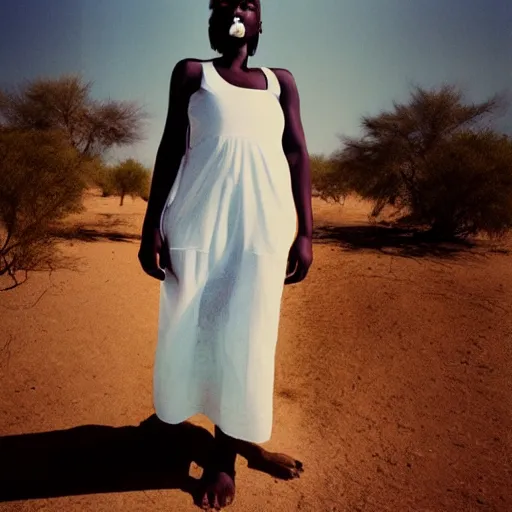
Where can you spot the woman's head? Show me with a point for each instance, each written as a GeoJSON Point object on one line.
{"type": "Point", "coordinates": [221, 18]}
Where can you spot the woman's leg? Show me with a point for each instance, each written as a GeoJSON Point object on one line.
{"type": "Point", "coordinates": [225, 452]}
{"type": "Point", "coordinates": [219, 475]}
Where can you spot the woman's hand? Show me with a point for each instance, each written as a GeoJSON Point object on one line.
{"type": "Point", "coordinates": [299, 259]}
{"type": "Point", "coordinates": [154, 254]}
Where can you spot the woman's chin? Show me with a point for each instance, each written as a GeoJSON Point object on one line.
{"type": "Point", "coordinates": [233, 44]}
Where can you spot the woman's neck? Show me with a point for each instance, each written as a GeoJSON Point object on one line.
{"type": "Point", "coordinates": [235, 59]}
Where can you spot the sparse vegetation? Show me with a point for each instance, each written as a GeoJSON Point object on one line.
{"type": "Point", "coordinates": [325, 180]}
{"type": "Point", "coordinates": [41, 181]}
{"type": "Point", "coordinates": [52, 139]}
{"type": "Point", "coordinates": [130, 178]}
{"type": "Point", "coordinates": [436, 160]}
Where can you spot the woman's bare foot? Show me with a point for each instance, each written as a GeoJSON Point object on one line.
{"type": "Point", "coordinates": [279, 465]}
{"type": "Point", "coordinates": [219, 490]}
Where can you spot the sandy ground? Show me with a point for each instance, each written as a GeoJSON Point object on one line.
{"type": "Point", "coordinates": [393, 377]}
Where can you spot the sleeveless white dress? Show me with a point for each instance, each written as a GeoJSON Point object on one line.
{"type": "Point", "coordinates": [229, 222]}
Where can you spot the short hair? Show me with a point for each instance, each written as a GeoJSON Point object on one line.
{"type": "Point", "coordinates": [216, 38]}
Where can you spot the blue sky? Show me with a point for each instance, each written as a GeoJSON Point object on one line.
{"type": "Point", "coordinates": [349, 57]}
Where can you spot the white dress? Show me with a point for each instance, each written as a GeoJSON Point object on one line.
{"type": "Point", "coordinates": [229, 222]}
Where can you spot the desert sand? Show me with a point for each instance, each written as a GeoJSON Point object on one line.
{"type": "Point", "coordinates": [393, 377]}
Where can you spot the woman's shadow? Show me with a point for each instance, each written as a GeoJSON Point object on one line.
{"type": "Point", "coordinates": [93, 459]}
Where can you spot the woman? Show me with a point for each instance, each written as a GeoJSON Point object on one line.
{"type": "Point", "coordinates": [228, 223]}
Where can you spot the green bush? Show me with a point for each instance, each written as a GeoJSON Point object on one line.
{"type": "Point", "coordinates": [324, 179]}
{"type": "Point", "coordinates": [467, 187]}
{"type": "Point", "coordinates": [41, 181]}
{"type": "Point", "coordinates": [435, 163]}
{"type": "Point", "coordinates": [130, 178]}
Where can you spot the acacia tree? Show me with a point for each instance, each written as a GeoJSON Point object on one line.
{"type": "Point", "coordinates": [91, 126]}
{"type": "Point", "coordinates": [324, 179]}
{"type": "Point", "coordinates": [130, 178]}
{"type": "Point", "coordinates": [437, 161]}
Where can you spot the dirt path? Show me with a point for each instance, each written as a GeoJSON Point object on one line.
{"type": "Point", "coordinates": [393, 377]}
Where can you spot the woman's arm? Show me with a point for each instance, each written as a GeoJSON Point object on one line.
{"type": "Point", "coordinates": [295, 149]}
{"type": "Point", "coordinates": [185, 80]}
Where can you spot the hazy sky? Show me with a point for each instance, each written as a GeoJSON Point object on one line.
{"type": "Point", "coordinates": [349, 57]}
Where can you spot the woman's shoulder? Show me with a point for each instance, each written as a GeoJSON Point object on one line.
{"type": "Point", "coordinates": [189, 66]}
{"type": "Point", "coordinates": [187, 74]}
{"type": "Point", "coordinates": [285, 78]}
{"type": "Point", "coordinates": [283, 74]}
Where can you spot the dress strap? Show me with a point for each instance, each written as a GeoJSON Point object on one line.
{"type": "Point", "coordinates": [273, 83]}
{"type": "Point", "coordinates": [209, 77]}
